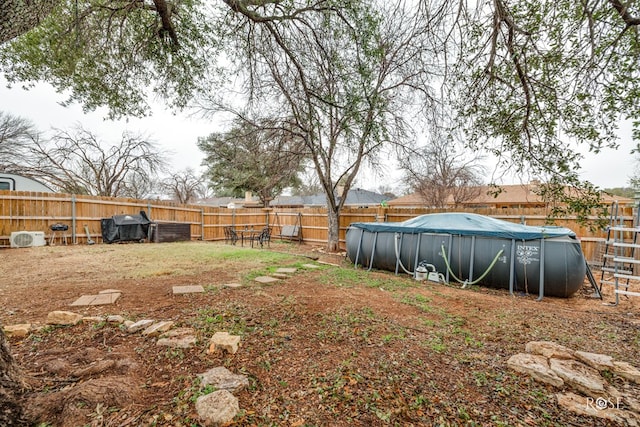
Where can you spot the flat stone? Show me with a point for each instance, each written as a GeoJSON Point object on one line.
{"type": "Point", "coordinates": [217, 408]}
{"type": "Point", "coordinates": [628, 400]}
{"type": "Point", "coordinates": [627, 371]}
{"type": "Point", "coordinates": [536, 366]}
{"type": "Point", "coordinates": [579, 376]}
{"type": "Point", "coordinates": [602, 408]}
{"type": "Point", "coordinates": [178, 332]}
{"type": "Point", "coordinates": [191, 289]}
{"type": "Point", "coordinates": [187, 341]}
{"type": "Point", "coordinates": [286, 270]}
{"type": "Point", "coordinates": [232, 285]}
{"type": "Point", "coordinates": [84, 300]}
{"type": "Point", "coordinates": [549, 349]}
{"type": "Point", "coordinates": [632, 402]}
{"type": "Point", "coordinates": [265, 279]}
{"type": "Point", "coordinates": [100, 299]}
{"type": "Point", "coordinates": [127, 323]}
{"type": "Point", "coordinates": [63, 318]}
{"type": "Point", "coordinates": [110, 291]}
{"type": "Point", "coordinates": [223, 341]}
{"type": "Point", "coordinates": [310, 266]}
{"type": "Point", "coordinates": [223, 379]}
{"type": "Point", "coordinates": [158, 328]}
{"type": "Point", "coordinates": [93, 319]}
{"type": "Point", "coordinates": [140, 325]}
{"type": "Point", "coordinates": [17, 331]}
{"type": "Point", "coordinates": [601, 362]}
{"type": "Point", "coordinates": [116, 318]}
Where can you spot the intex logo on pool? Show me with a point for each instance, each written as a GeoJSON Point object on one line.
{"type": "Point", "coordinates": [527, 254]}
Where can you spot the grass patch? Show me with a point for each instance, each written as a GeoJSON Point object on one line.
{"type": "Point", "coordinates": [422, 303]}
{"type": "Point", "coordinates": [186, 258]}
{"type": "Point", "coordinates": [351, 277]}
{"type": "Point", "coordinates": [210, 320]}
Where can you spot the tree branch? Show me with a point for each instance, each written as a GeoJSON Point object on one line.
{"type": "Point", "coordinates": [165, 11]}
{"type": "Point", "coordinates": [623, 11]}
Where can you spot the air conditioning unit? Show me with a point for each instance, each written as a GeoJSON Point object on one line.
{"type": "Point", "coordinates": [26, 239]}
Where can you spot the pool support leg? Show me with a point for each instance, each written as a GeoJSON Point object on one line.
{"type": "Point", "coordinates": [512, 266]}
{"type": "Point", "coordinates": [541, 291]}
{"type": "Point", "coordinates": [355, 263]}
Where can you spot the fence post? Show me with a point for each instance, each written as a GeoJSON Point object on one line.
{"type": "Point", "coordinates": [74, 238]}
{"type": "Point", "coordinates": [381, 214]}
{"type": "Point", "coordinates": [202, 224]}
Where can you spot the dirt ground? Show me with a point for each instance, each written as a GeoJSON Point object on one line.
{"type": "Point", "coordinates": [326, 346]}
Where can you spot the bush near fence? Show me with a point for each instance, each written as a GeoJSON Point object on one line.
{"type": "Point", "coordinates": [29, 211]}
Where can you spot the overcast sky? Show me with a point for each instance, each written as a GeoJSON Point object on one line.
{"type": "Point", "coordinates": [177, 134]}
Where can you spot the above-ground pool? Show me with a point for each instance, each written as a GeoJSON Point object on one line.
{"type": "Point", "coordinates": [473, 249]}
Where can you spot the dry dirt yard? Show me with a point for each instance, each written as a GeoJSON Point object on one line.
{"type": "Point", "coordinates": [328, 346]}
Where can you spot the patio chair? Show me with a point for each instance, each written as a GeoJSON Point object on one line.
{"type": "Point", "coordinates": [230, 235]}
{"type": "Point", "coordinates": [266, 236]}
{"type": "Point", "coordinates": [262, 237]}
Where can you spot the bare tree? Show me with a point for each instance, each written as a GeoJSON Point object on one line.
{"type": "Point", "coordinates": [441, 172]}
{"type": "Point", "coordinates": [346, 73]}
{"type": "Point", "coordinates": [139, 185]}
{"type": "Point", "coordinates": [77, 162]}
{"type": "Point", "coordinates": [183, 186]}
{"type": "Point", "coordinates": [16, 134]}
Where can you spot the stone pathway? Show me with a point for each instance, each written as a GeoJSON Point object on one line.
{"type": "Point", "coordinates": [266, 279]}
{"type": "Point", "coordinates": [217, 408]}
{"type": "Point", "coordinates": [282, 273]}
{"type": "Point", "coordinates": [232, 285]}
{"type": "Point", "coordinates": [192, 289]}
{"type": "Point", "coordinates": [585, 376]}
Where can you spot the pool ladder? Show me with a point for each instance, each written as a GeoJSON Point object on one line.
{"type": "Point", "coordinates": [621, 258]}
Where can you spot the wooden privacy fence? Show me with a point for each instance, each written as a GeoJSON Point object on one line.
{"type": "Point", "coordinates": [28, 211]}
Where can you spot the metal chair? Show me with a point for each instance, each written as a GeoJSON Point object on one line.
{"type": "Point", "coordinates": [262, 237]}
{"type": "Point", "coordinates": [230, 235]}
{"type": "Point", "coordinates": [266, 236]}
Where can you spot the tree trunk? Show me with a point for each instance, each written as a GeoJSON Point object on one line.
{"type": "Point", "coordinates": [333, 238]}
{"type": "Point", "coordinates": [11, 386]}
{"type": "Point", "coordinates": [16, 18]}
{"type": "Point", "coordinates": [19, 16]}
